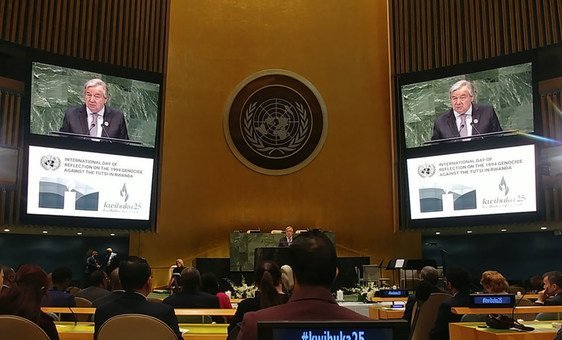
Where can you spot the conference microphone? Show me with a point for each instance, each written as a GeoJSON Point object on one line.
{"type": "Point", "coordinates": [73, 316]}
{"type": "Point", "coordinates": [474, 127]}
{"type": "Point", "coordinates": [104, 130]}
{"type": "Point", "coordinates": [517, 304]}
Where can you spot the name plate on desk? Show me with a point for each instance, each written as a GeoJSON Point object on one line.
{"type": "Point", "coordinates": [392, 293]}
{"type": "Point", "coordinates": [492, 300]}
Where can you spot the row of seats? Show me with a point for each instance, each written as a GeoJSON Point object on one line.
{"type": "Point", "coordinates": [118, 327]}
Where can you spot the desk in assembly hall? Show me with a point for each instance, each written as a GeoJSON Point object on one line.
{"type": "Point", "coordinates": [544, 330]}
{"type": "Point", "coordinates": [179, 311]}
{"type": "Point", "coordinates": [85, 331]}
{"type": "Point", "coordinates": [508, 310]}
{"type": "Point", "coordinates": [380, 312]}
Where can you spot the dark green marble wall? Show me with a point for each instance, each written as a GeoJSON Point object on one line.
{"type": "Point", "coordinates": [55, 88]}
{"type": "Point", "coordinates": [507, 89]}
{"type": "Point", "coordinates": [242, 246]}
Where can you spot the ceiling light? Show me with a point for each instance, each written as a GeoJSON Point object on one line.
{"type": "Point", "coordinates": [544, 227]}
{"type": "Point", "coordinates": [7, 230]}
{"type": "Point", "coordinates": [112, 234]}
{"type": "Point", "coordinates": [437, 233]}
{"type": "Point", "coordinates": [78, 233]}
{"type": "Point", "coordinates": [503, 230]}
{"type": "Point", "coordinates": [469, 231]}
{"type": "Point", "coordinates": [45, 232]}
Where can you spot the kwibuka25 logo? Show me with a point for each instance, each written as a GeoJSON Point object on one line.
{"type": "Point", "coordinates": [275, 122]}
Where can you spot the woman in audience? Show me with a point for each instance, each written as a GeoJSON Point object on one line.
{"type": "Point", "coordinates": [493, 282]}
{"type": "Point", "coordinates": [24, 298]}
{"type": "Point", "coordinates": [270, 293]}
{"type": "Point", "coordinates": [210, 284]}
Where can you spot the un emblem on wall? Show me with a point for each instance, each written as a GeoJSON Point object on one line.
{"type": "Point", "coordinates": [275, 122]}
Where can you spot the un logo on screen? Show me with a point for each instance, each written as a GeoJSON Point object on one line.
{"type": "Point", "coordinates": [275, 122]}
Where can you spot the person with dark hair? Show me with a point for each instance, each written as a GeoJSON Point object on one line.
{"type": "Point", "coordinates": [270, 292]}
{"type": "Point", "coordinates": [458, 284]}
{"type": "Point", "coordinates": [91, 263]}
{"type": "Point", "coordinates": [191, 295]}
{"type": "Point", "coordinates": [98, 286]}
{"type": "Point", "coordinates": [24, 298]}
{"type": "Point", "coordinates": [57, 295]}
{"type": "Point", "coordinates": [552, 292]}
{"type": "Point", "coordinates": [210, 284]}
{"type": "Point", "coordinates": [314, 261]}
{"type": "Point", "coordinates": [135, 276]}
{"type": "Point", "coordinates": [116, 290]}
{"type": "Point", "coordinates": [429, 277]}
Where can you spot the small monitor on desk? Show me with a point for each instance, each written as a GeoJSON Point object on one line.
{"type": "Point", "coordinates": [491, 300]}
{"type": "Point", "coordinates": [380, 330]}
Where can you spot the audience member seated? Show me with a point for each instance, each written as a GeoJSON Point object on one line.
{"type": "Point", "coordinates": [116, 290]}
{"type": "Point", "coordinates": [493, 282]}
{"type": "Point", "coordinates": [98, 286]}
{"type": "Point", "coordinates": [9, 276]}
{"type": "Point", "coordinates": [313, 259]}
{"type": "Point", "coordinates": [136, 278]}
{"type": "Point", "coordinates": [268, 282]}
{"type": "Point", "coordinates": [552, 292]}
{"type": "Point", "coordinates": [174, 283]}
{"type": "Point", "coordinates": [534, 284]}
{"type": "Point", "coordinates": [287, 279]}
{"type": "Point", "coordinates": [191, 295]}
{"type": "Point", "coordinates": [458, 284]}
{"type": "Point", "coordinates": [57, 295]}
{"type": "Point", "coordinates": [24, 298]}
{"type": "Point", "coordinates": [210, 284]}
{"type": "Point", "coordinates": [429, 278]}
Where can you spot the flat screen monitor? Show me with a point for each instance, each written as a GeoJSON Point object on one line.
{"type": "Point", "coordinates": [66, 186]}
{"type": "Point", "coordinates": [507, 88]}
{"type": "Point", "coordinates": [359, 330]}
{"type": "Point", "coordinates": [58, 89]}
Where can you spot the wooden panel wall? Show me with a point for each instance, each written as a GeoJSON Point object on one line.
{"type": "Point", "coordinates": [427, 34]}
{"type": "Point", "coordinates": [129, 33]}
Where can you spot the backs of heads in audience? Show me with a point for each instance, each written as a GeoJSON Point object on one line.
{"type": "Point", "coordinates": [313, 259]}
{"type": "Point", "coordinates": [493, 282]}
{"type": "Point", "coordinates": [114, 280]}
{"type": "Point", "coordinates": [287, 277]}
{"type": "Point", "coordinates": [134, 272]}
{"type": "Point", "coordinates": [430, 274]}
{"type": "Point", "coordinates": [190, 279]}
{"type": "Point", "coordinates": [61, 277]}
{"type": "Point", "coordinates": [268, 277]}
{"type": "Point", "coordinates": [24, 298]}
{"type": "Point", "coordinates": [98, 278]}
{"type": "Point", "coordinates": [554, 277]}
{"type": "Point", "coordinates": [209, 283]}
{"type": "Point", "coordinates": [459, 278]}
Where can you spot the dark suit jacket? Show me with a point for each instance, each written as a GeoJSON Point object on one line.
{"type": "Point", "coordinates": [192, 300]}
{"type": "Point", "coordinates": [76, 121]}
{"type": "Point", "coordinates": [484, 120]}
{"type": "Point", "coordinates": [440, 330]}
{"type": "Point", "coordinates": [249, 305]}
{"type": "Point", "coordinates": [134, 303]}
{"type": "Point", "coordinates": [283, 242]}
{"type": "Point", "coordinates": [306, 303]}
{"type": "Point", "coordinates": [555, 300]}
{"type": "Point", "coordinates": [424, 290]}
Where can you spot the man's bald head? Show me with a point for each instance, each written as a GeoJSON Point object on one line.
{"type": "Point", "coordinates": [114, 280]}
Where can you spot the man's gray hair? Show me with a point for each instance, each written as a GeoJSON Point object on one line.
{"type": "Point", "coordinates": [430, 274]}
{"type": "Point", "coordinates": [96, 82]}
{"type": "Point", "coordinates": [462, 83]}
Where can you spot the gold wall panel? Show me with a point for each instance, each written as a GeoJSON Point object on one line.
{"type": "Point", "coordinates": [339, 46]}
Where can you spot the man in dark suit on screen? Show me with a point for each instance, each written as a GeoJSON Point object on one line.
{"type": "Point", "coordinates": [94, 118]}
{"type": "Point", "coordinates": [465, 118]}
{"type": "Point", "coordinates": [136, 278]}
